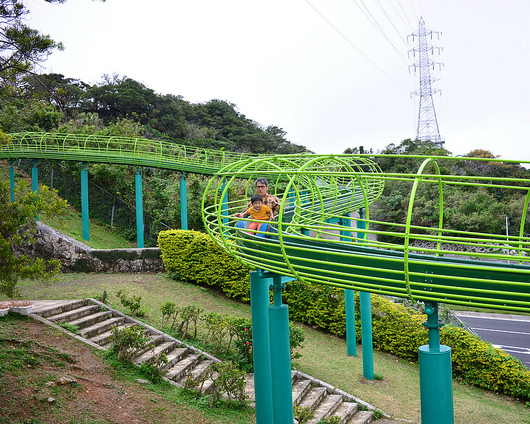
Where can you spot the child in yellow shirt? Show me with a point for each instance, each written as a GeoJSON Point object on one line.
{"type": "Point", "coordinates": [257, 211]}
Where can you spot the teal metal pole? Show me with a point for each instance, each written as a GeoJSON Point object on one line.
{"type": "Point", "coordinates": [366, 334]}
{"type": "Point", "coordinates": [282, 391]}
{"type": "Point", "coordinates": [35, 182]}
{"type": "Point", "coordinates": [349, 299]}
{"type": "Point", "coordinates": [351, 336]}
{"type": "Point", "coordinates": [224, 206]}
{"type": "Point", "coordinates": [139, 210]}
{"type": "Point", "coordinates": [85, 222]}
{"type": "Point", "coordinates": [366, 317]}
{"type": "Point", "coordinates": [436, 385]}
{"type": "Point", "coordinates": [259, 306]}
{"type": "Point", "coordinates": [183, 203]}
{"type": "Point", "coordinates": [12, 180]}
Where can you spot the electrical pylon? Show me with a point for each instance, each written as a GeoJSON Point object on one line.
{"type": "Point", "coordinates": [427, 122]}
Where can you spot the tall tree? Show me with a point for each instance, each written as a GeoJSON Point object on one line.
{"type": "Point", "coordinates": [21, 47]}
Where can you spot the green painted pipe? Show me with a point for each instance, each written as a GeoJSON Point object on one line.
{"type": "Point", "coordinates": [84, 204]}
{"type": "Point", "coordinates": [259, 304]}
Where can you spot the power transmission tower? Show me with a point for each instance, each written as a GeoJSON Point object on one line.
{"type": "Point", "coordinates": [427, 122]}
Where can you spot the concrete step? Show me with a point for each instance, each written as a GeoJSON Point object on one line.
{"type": "Point", "coordinates": [101, 327]}
{"type": "Point", "coordinates": [300, 388]}
{"type": "Point", "coordinates": [91, 319]}
{"type": "Point", "coordinates": [149, 356]}
{"type": "Point", "coordinates": [345, 411]}
{"type": "Point", "coordinates": [326, 408]}
{"type": "Point", "coordinates": [362, 417]}
{"type": "Point", "coordinates": [46, 309]}
{"type": "Point", "coordinates": [104, 339]}
{"type": "Point", "coordinates": [74, 314]}
{"type": "Point", "coordinates": [182, 367]}
{"type": "Point", "coordinates": [313, 398]}
{"type": "Point", "coordinates": [195, 372]}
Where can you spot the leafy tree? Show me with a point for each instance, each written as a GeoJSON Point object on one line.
{"type": "Point", "coordinates": [17, 231]}
{"type": "Point", "coordinates": [21, 47]}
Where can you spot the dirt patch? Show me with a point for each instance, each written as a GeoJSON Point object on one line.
{"type": "Point", "coordinates": [48, 377]}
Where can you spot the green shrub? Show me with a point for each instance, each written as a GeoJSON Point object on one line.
{"type": "Point", "coordinates": [194, 257]}
{"type": "Point", "coordinates": [479, 363]}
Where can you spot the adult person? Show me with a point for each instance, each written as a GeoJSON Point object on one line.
{"type": "Point", "coordinates": [270, 200]}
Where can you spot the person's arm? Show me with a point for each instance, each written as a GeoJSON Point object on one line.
{"type": "Point", "coordinates": [271, 215]}
{"type": "Point", "coordinates": [242, 214]}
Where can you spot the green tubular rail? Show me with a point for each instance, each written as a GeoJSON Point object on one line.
{"type": "Point", "coordinates": [120, 150]}
{"type": "Point", "coordinates": [316, 192]}
{"type": "Point", "coordinates": [428, 264]}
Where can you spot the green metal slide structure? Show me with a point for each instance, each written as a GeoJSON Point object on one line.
{"type": "Point", "coordinates": [432, 264]}
{"type": "Point", "coordinates": [319, 193]}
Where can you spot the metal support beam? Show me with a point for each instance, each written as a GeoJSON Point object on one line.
{"type": "Point", "coordinates": [139, 210]}
{"type": "Point", "coordinates": [436, 385]}
{"type": "Point", "coordinates": [183, 203]}
{"type": "Point", "coordinates": [349, 298]}
{"type": "Point", "coordinates": [12, 180]}
{"type": "Point", "coordinates": [224, 206]}
{"type": "Point", "coordinates": [259, 305]}
{"type": "Point", "coordinates": [35, 182]}
{"type": "Point", "coordinates": [282, 392]}
{"type": "Point", "coordinates": [84, 204]}
{"type": "Point", "coordinates": [366, 334]}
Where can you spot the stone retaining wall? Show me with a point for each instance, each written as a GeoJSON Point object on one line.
{"type": "Point", "coordinates": [78, 257]}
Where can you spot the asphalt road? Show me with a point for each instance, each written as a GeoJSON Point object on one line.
{"type": "Point", "coordinates": [510, 333]}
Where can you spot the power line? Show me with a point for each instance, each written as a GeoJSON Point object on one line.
{"type": "Point", "coordinates": [353, 45]}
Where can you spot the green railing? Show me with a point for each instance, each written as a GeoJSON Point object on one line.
{"type": "Point", "coordinates": [120, 150]}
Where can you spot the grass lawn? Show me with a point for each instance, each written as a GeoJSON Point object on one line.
{"type": "Point", "coordinates": [323, 356]}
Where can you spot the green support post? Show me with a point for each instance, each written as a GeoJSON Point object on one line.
{"type": "Point", "coordinates": [139, 210]}
{"type": "Point", "coordinates": [282, 391]}
{"type": "Point", "coordinates": [349, 299]}
{"type": "Point", "coordinates": [35, 182]}
{"type": "Point", "coordinates": [366, 335]}
{"type": "Point", "coordinates": [436, 385]}
{"type": "Point", "coordinates": [12, 180]}
{"type": "Point", "coordinates": [259, 306]}
{"type": "Point", "coordinates": [183, 203]}
{"type": "Point", "coordinates": [85, 222]}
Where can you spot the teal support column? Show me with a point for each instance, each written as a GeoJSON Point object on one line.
{"type": "Point", "coordinates": [35, 182]}
{"type": "Point", "coordinates": [349, 298]}
{"type": "Point", "coordinates": [12, 180]}
{"type": "Point", "coordinates": [85, 222]}
{"type": "Point", "coordinates": [224, 206]}
{"type": "Point", "coordinates": [436, 385]}
{"type": "Point", "coordinates": [361, 225]}
{"type": "Point", "coordinates": [183, 203]}
{"type": "Point", "coordinates": [259, 305]}
{"type": "Point", "coordinates": [351, 336]}
{"type": "Point", "coordinates": [139, 210]}
{"type": "Point", "coordinates": [282, 392]}
{"type": "Point", "coordinates": [366, 334]}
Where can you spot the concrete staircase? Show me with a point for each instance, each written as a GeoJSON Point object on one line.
{"type": "Point", "coordinates": [94, 322]}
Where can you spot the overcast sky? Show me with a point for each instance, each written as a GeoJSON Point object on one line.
{"type": "Point", "coordinates": [331, 73]}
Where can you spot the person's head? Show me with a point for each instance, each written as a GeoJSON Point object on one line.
{"type": "Point", "coordinates": [256, 201]}
{"type": "Point", "coordinates": [261, 186]}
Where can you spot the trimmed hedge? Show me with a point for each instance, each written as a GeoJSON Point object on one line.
{"type": "Point", "coordinates": [192, 256]}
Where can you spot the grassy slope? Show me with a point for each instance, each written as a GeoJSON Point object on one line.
{"type": "Point", "coordinates": [397, 394]}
